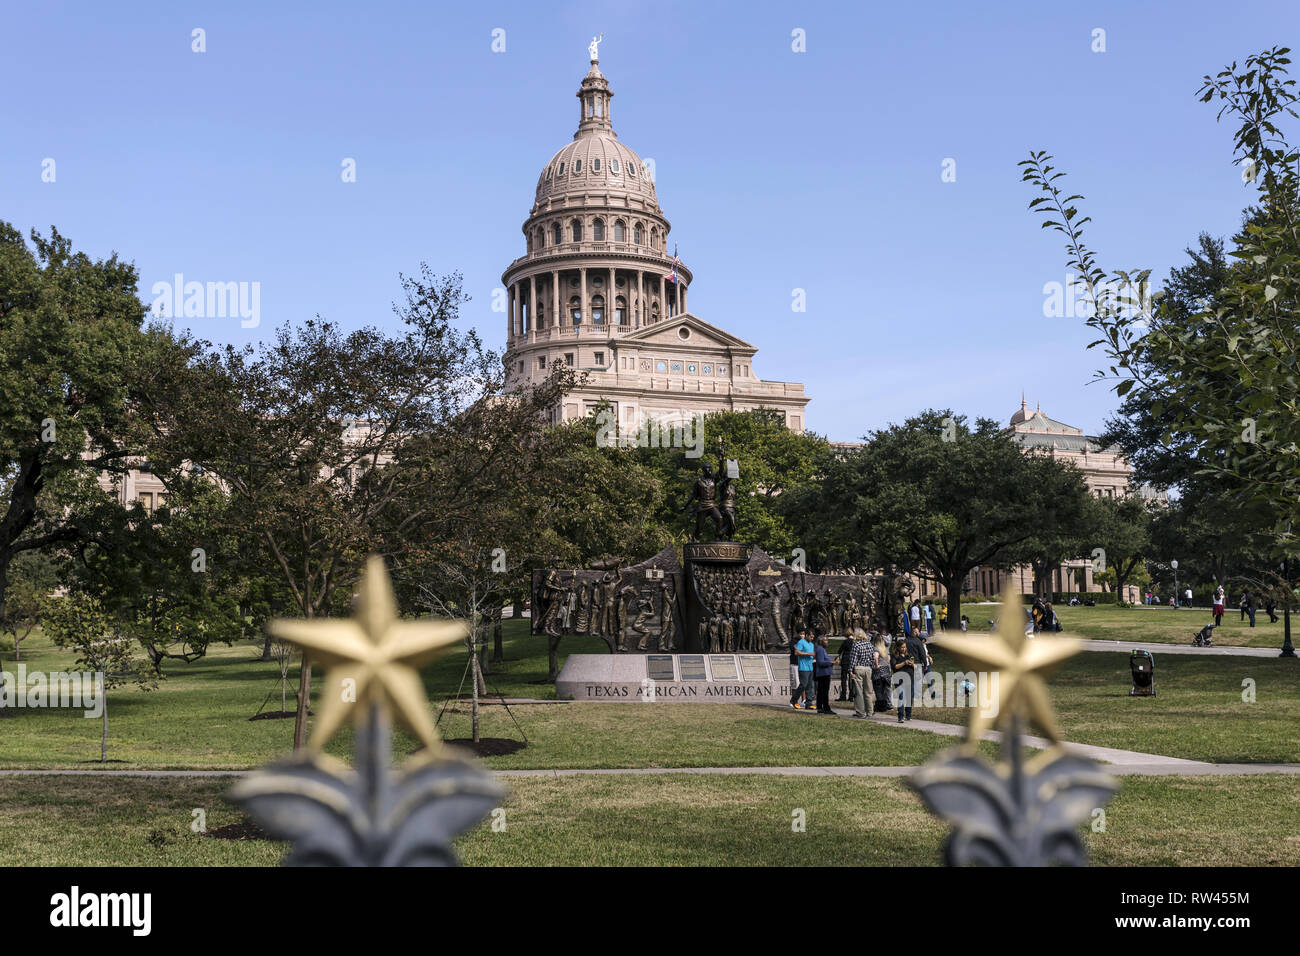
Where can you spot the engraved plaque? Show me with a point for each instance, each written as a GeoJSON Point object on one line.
{"type": "Point", "coordinates": [660, 667]}
{"type": "Point", "coordinates": [693, 667]}
{"type": "Point", "coordinates": [723, 667]}
{"type": "Point", "coordinates": [754, 667]}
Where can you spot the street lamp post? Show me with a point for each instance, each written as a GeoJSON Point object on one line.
{"type": "Point", "coordinates": [1177, 602]}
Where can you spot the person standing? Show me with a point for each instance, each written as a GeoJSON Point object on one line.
{"type": "Point", "coordinates": [1219, 597]}
{"type": "Point", "coordinates": [794, 662]}
{"type": "Point", "coordinates": [943, 617]}
{"type": "Point", "coordinates": [1245, 599]}
{"type": "Point", "coordinates": [920, 652]}
{"type": "Point", "coordinates": [1252, 605]}
{"type": "Point", "coordinates": [823, 667]}
{"type": "Point", "coordinates": [862, 667]}
{"type": "Point", "coordinates": [903, 666]}
{"type": "Point", "coordinates": [914, 615]}
{"type": "Point", "coordinates": [804, 651]}
{"type": "Point", "coordinates": [846, 649]}
{"type": "Point", "coordinates": [883, 675]}
{"type": "Point", "coordinates": [929, 619]}
{"type": "Point", "coordinates": [1188, 596]}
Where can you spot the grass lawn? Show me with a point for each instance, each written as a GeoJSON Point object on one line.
{"type": "Point", "coordinates": [1154, 625]}
{"type": "Point", "coordinates": [1198, 711]}
{"type": "Point", "coordinates": [198, 718]}
{"type": "Point", "coordinates": [661, 820]}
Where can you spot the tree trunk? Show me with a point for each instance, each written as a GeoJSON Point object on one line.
{"type": "Point", "coordinates": [5, 557]}
{"type": "Point", "coordinates": [953, 587]}
{"type": "Point", "coordinates": [266, 648]}
{"type": "Point", "coordinates": [103, 737]}
{"type": "Point", "coordinates": [473, 696]}
{"type": "Point", "coordinates": [552, 658]}
{"type": "Point", "coordinates": [498, 646]}
{"type": "Point", "coordinates": [304, 704]}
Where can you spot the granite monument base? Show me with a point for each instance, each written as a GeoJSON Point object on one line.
{"type": "Point", "coordinates": [692, 678]}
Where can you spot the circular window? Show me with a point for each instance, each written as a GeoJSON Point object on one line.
{"type": "Point", "coordinates": [597, 281]}
{"type": "Point", "coordinates": [684, 333]}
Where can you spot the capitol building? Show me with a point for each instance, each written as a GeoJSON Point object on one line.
{"type": "Point", "coordinates": [598, 290]}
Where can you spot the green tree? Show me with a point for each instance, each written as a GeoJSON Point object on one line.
{"type": "Point", "coordinates": [774, 463]}
{"type": "Point", "coordinates": [79, 622]}
{"type": "Point", "coordinates": [1223, 373]}
{"type": "Point", "coordinates": [1121, 532]}
{"type": "Point", "coordinates": [77, 370]}
{"type": "Point", "coordinates": [333, 445]}
{"type": "Point", "coordinates": [32, 579]}
{"type": "Point", "coordinates": [933, 494]}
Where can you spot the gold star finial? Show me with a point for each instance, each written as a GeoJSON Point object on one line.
{"type": "Point", "coordinates": [378, 652]}
{"type": "Point", "coordinates": [1022, 662]}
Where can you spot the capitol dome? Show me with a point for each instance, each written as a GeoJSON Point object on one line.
{"type": "Point", "coordinates": [595, 162]}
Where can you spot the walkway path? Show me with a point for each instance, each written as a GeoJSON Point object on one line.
{"type": "Point", "coordinates": [1156, 648]}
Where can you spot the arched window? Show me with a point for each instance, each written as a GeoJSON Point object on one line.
{"type": "Point", "coordinates": [591, 105]}
{"type": "Point", "coordinates": [577, 166]}
{"type": "Point", "coordinates": [576, 227]}
{"type": "Point", "coordinates": [539, 237]}
{"type": "Point", "coordinates": [557, 234]}
{"type": "Point", "coordinates": [631, 170]}
{"type": "Point", "coordinates": [598, 230]}
{"type": "Point", "coordinates": [549, 170]}
{"type": "Point", "coordinates": [541, 316]}
{"type": "Point", "coordinates": [595, 165]}
{"type": "Point", "coordinates": [654, 237]}
{"type": "Point", "coordinates": [575, 310]}
{"type": "Point", "coordinates": [620, 310]}
{"type": "Point", "coordinates": [638, 234]}
{"type": "Point", "coordinates": [598, 310]}
{"type": "Point", "coordinates": [561, 172]}
{"type": "Point", "coordinates": [620, 231]}
{"type": "Point", "coordinates": [613, 166]}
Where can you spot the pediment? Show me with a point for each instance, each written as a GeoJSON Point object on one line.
{"type": "Point", "coordinates": [700, 334]}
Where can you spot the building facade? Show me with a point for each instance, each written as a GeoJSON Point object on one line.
{"type": "Point", "coordinates": [597, 290]}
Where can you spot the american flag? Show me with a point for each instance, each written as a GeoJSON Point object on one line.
{"type": "Point", "coordinates": [672, 276]}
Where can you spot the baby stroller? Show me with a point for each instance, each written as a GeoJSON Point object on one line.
{"type": "Point", "coordinates": [1143, 666]}
{"type": "Point", "coordinates": [1204, 637]}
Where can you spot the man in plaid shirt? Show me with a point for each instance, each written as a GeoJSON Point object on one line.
{"type": "Point", "coordinates": [862, 661]}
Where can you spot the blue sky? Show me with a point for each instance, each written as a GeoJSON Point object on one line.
{"type": "Point", "coordinates": [778, 170]}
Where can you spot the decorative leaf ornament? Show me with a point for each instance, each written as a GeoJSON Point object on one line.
{"type": "Point", "coordinates": [370, 816]}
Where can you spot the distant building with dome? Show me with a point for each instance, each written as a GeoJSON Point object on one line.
{"type": "Point", "coordinates": [598, 290]}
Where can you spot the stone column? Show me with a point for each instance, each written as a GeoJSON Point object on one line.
{"type": "Point", "coordinates": [640, 297]}
{"type": "Point", "coordinates": [611, 304]}
{"type": "Point", "coordinates": [663, 297]}
{"type": "Point", "coordinates": [682, 288]}
{"type": "Point", "coordinates": [532, 307]}
{"type": "Point", "coordinates": [555, 295]}
{"type": "Point", "coordinates": [511, 310]}
{"type": "Point", "coordinates": [582, 301]}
